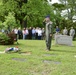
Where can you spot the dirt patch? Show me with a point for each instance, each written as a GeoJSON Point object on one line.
{"type": "Point", "coordinates": [25, 53]}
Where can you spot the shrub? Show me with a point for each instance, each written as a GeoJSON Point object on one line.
{"type": "Point", "coordinates": [4, 39]}
{"type": "Point", "coordinates": [7, 39]}
{"type": "Point", "coordinates": [12, 37]}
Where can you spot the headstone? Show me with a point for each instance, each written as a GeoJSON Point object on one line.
{"type": "Point", "coordinates": [19, 59]}
{"type": "Point", "coordinates": [63, 40]}
{"type": "Point", "coordinates": [51, 61]}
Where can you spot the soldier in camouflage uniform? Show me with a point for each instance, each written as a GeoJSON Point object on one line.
{"type": "Point", "coordinates": [48, 31]}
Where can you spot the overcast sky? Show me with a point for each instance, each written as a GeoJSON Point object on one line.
{"type": "Point", "coordinates": [54, 1]}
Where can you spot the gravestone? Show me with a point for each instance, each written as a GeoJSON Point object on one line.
{"type": "Point", "coordinates": [19, 59]}
{"type": "Point", "coordinates": [63, 40]}
{"type": "Point", "coordinates": [51, 61]}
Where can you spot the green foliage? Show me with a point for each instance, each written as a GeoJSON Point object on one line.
{"type": "Point", "coordinates": [58, 6]}
{"type": "Point", "coordinates": [4, 39]}
{"type": "Point", "coordinates": [10, 20]}
{"type": "Point", "coordinates": [31, 13]}
{"type": "Point", "coordinates": [68, 24]}
{"type": "Point", "coordinates": [1, 25]}
{"type": "Point", "coordinates": [70, 6]}
{"type": "Point", "coordinates": [66, 5]}
{"type": "Point", "coordinates": [7, 39]}
{"type": "Point", "coordinates": [34, 11]}
{"type": "Point", "coordinates": [57, 17]}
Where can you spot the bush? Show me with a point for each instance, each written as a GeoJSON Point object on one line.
{"type": "Point", "coordinates": [4, 39]}
{"type": "Point", "coordinates": [7, 39]}
{"type": "Point", "coordinates": [12, 37]}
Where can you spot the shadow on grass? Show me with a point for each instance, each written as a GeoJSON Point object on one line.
{"type": "Point", "coordinates": [67, 51]}
{"type": "Point", "coordinates": [26, 53]}
{"type": "Point", "coordinates": [15, 44]}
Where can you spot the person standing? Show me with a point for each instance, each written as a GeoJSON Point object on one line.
{"type": "Point", "coordinates": [37, 28]}
{"type": "Point", "coordinates": [27, 33]}
{"type": "Point", "coordinates": [24, 33]}
{"type": "Point", "coordinates": [2, 31]}
{"type": "Point", "coordinates": [16, 33]}
{"type": "Point", "coordinates": [72, 32]}
{"type": "Point", "coordinates": [33, 33]}
{"type": "Point", "coordinates": [48, 32]}
{"type": "Point", "coordinates": [57, 30]}
{"type": "Point", "coordinates": [65, 31]}
{"type": "Point", "coordinates": [43, 34]}
{"type": "Point", "coordinates": [30, 33]}
{"type": "Point", "coordinates": [39, 34]}
{"type": "Point", "coordinates": [19, 33]}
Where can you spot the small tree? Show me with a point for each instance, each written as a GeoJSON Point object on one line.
{"type": "Point", "coordinates": [10, 21]}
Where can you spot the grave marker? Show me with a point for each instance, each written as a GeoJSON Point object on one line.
{"type": "Point", "coordinates": [63, 40]}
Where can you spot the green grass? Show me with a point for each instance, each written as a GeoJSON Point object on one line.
{"type": "Point", "coordinates": [34, 65]}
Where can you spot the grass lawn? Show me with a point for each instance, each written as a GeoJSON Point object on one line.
{"type": "Point", "coordinates": [60, 60]}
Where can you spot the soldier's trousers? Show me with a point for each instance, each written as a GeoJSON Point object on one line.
{"type": "Point", "coordinates": [48, 41]}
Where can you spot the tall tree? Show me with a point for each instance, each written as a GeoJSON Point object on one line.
{"type": "Point", "coordinates": [29, 12]}
{"type": "Point", "coordinates": [70, 7]}
{"type": "Point", "coordinates": [58, 9]}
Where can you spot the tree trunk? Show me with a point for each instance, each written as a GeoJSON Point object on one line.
{"type": "Point", "coordinates": [24, 23]}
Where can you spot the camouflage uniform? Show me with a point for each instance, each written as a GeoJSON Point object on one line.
{"type": "Point", "coordinates": [48, 34]}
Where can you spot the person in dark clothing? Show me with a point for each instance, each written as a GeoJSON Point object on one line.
{"type": "Point", "coordinates": [30, 33]}
{"type": "Point", "coordinates": [36, 33]}
{"type": "Point", "coordinates": [57, 30]}
{"type": "Point", "coordinates": [19, 33]}
{"type": "Point", "coordinates": [33, 33]}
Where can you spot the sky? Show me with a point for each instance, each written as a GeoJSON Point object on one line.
{"type": "Point", "coordinates": [54, 1]}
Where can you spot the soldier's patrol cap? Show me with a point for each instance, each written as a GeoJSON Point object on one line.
{"type": "Point", "coordinates": [48, 16]}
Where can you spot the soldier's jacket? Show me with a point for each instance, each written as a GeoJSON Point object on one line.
{"type": "Point", "coordinates": [48, 28]}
